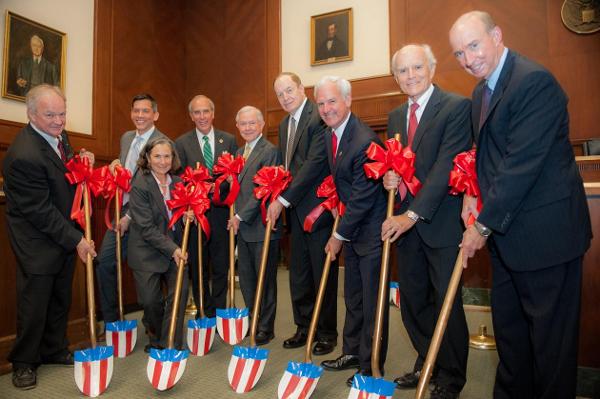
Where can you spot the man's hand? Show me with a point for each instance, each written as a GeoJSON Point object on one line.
{"type": "Point", "coordinates": [21, 82]}
{"type": "Point", "coordinates": [83, 153]}
{"type": "Point", "coordinates": [394, 226]}
{"type": "Point", "coordinates": [84, 248]}
{"type": "Point", "coordinates": [233, 223]}
{"type": "Point", "coordinates": [113, 165]}
{"type": "Point", "coordinates": [333, 247]}
{"type": "Point", "coordinates": [273, 212]}
{"type": "Point", "coordinates": [469, 208]}
{"type": "Point", "coordinates": [123, 225]}
{"type": "Point", "coordinates": [179, 256]}
{"type": "Point", "coordinates": [391, 180]}
{"type": "Point", "coordinates": [472, 242]}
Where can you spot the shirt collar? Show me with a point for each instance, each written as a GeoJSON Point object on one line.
{"type": "Point", "coordinates": [252, 143]}
{"type": "Point", "coordinates": [52, 140]}
{"type": "Point", "coordinates": [422, 101]}
{"type": "Point", "coordinates": [210, 134]}
{"type": "Point", "coordinates": [296, 115]}
{"type": "Point", "coordinates": [341, 128]}
{"type": "Point", "coordinates": [145, 136]}
{"type": "Point", "coordinates": [493, 79]}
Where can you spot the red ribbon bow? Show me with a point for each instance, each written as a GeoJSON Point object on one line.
{"type": "Point", "coordinates": [401, 161]}
{"type": "Point", "coordinates": [191, 196]}
{"type": "Point", "coordinates": [80, 172]}
{"type": "Point", "coordinates": [272, 181]}
{"type": "Point", "coordinates": [227, 165]}
{"type": "Point", "coordinates": [463, 178]}
{"type": "Point", "coordinates": [199, 177]}
{"type": "Point", "coordinates": [104, 184]}
{"type": "Point", "coordinates": [325, 190]}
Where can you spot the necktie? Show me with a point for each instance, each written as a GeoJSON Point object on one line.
{"type": "Point", "coordinates": [485, 103]}
{"type": "Point", "coordinates": [61, 150]}
{"type": "Point", "coordinates": [134, 154]}
{"type": "Point", "coordinates": [334, 143]}
{"type": "Point", "coordinates": [290, 142]}
{"type": "Point", "coordinates": [247, 151]}
{"type": "Point", "coordinates": [413, 123]}
{"type": "Point", "coordinates": [207, 153]}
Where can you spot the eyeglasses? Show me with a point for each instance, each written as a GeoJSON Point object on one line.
{"type": "Point", "coordinates": [250, 124]}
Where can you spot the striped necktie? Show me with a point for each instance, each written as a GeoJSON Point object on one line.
{"type": "Point", "coordinates": [207, 153]}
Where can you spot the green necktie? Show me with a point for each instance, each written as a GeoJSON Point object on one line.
{"type": "Point", "coordinates": [207, 153]}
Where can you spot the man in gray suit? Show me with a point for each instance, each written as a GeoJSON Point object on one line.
{"type": "Point", "coordinates": [144, 112]}
{"type": "Point", "coordinates": [248, 224]}
{"type": "Point", "coordinates": [205, 144]}
{"type": "Point", "coordinates": [35, 69]}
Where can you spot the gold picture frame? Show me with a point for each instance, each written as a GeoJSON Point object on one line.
{"type": "Point", "coordinates": [33, 54]}
{"type": "Point", "coordinates": [331, 37]}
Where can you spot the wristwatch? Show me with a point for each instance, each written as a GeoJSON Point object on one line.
{"type": "Point", "coordinates": [482, 230]}
{"type": "Point", "coordinates": [412, 216]}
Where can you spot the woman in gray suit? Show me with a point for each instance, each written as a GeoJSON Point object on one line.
{"type": "Point", "coordinates": [153, 251]}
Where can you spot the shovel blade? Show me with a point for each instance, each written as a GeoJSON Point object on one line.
{"type": "Point", "coordinates": [93, 370]}
{"type": "Point", "coordinates": [122, 336]}
{"type": "Point", "coordinates": [232, 324]}
{"type": "Point", "coordinates": [395, 293]}
{"type": "Point", "coordinates": [165, 367]}
{"type": "Point", "coordinates": [299, 381]}
{"type": "Point", "coordinates": [364, 387]}
{"type": "Point", "coordinates": [201, 335]}
{"type": "Point", "coordinates": [245, 367]}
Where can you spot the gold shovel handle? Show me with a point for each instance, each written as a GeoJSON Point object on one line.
{"type": "Point", "coordinates": [260, 284]}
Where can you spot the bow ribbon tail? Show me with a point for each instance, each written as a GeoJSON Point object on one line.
{"type": "Point", "coordinates": [263, 209]}
{"type": "Point", "coordinates": [204, 225]}
{"type": "Point", "coordinates": [233, 192]}
{"type": "Point", "coordinates": [176, 216]}
{"type": "Point", "coordinates": [312, 217]}
{"type": "Point", "coordinates": [77, 211]}
{"type": "Point", "coordinates": [217, 190]}
{"type": "Point", "coordinates": [107, 218]}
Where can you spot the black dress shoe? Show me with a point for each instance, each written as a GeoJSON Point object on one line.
{"type": "Point", "coordinates": [152, 346]}
{"type": "Point", "coordinates": [366, 373]}
{"type": "Point", "coordinates": [263, 338]}
{"type": "Point", "coordinates": [63, 360]}
{"type": "Point", "coordinates": [24, 378]}
{"type": "Point", "coordinates": [440, 392]}
{"type": "Point", "coordinates": [323, 347]}
{"type": "Point", "coordinates": [296, 341]}
{"type": "Point", "coordinates": [343, 362]}
{"type": "Point", "coordinates": [408, 380]}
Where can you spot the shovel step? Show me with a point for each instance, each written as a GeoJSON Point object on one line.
{"type": "Point", "coordinates": [93, 370]}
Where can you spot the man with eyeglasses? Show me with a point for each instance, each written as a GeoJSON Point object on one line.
{"type": "Point", "coordinates": [43, 237]}
{"type": "Point", "coordinates": [248, 224]}
{"type": "Point", "coordinates": [144, 112]}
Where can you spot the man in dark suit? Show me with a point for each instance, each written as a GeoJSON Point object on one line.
{"type": "Point", "coordinates": [248, 224]}
{"type": "Point", "coordinates": [144, 112]}
{"type": "Point", "coordinates": [436, 126]}
{"type": "Point", "coordinates": [332, 46]}
{"type": "Point", "coordinates": [43, 236]}
{"type": "Point", "coordinates": [205, 144]}
{"type": "Point", "coordinates": [346, 141]}
{"type": "Point", "coordinates": [302, 145]}
{"type": "Point", "coordinates": [534, 219]}
{"type": "Point", "coordinates": [36, 69]}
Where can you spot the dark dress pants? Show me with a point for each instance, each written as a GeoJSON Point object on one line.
{"type": "Point", "coordinates": [106, 274]}
{"type": "Point", "coordinates": [306, 268]}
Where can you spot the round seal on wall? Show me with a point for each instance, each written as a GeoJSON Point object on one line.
{"type": "Point", "coordinates": [581, 16]}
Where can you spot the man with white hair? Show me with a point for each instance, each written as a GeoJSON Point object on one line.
{"type": "Point", "coordinates": [347, 139]}
{"type": "Point", "coordinates": [435, 124]}
{"type": "Point", "coordinates": [35, 69]}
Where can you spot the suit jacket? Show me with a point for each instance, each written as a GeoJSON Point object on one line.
{"type": "Point", "coordinates": [48, 73]}
{"type": "Point", "coordinates": [533, 197]}
{"type": "Point", "coordinates": [338, 49]}
{"type": "Point", "coordinates": [247, 206]}
{"type": "Point", "coordinates": [151, 244]}
{"type": "Point", "coordinates": [308, 164]}
{"type": "Point", "coordinates": [190, 152]}
{"type": "Point", "coordinates": [127, 139]}
{"type": "Point", "coordinates": [444, 130]}
{"type": "Point", "coordinates": [39, 200]}
{"type": "Point", "coordinates": [364, 198]}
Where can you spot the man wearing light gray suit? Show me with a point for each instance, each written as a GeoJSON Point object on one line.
{"type": "Point", "coordinates": [205, 145]}
{"type": "Point", "coordinates": [144, 112]}
{"type": "Point", "coordinates": [248, 224]}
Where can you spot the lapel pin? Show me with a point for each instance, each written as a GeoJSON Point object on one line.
{"type": "Point", "coordinates": [220, 141]}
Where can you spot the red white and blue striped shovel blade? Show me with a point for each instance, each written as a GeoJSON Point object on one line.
{"type": "Point", "coordinates": [200, 335]}
{"type": "Point", "coordinates": [246, 367]}
{"type": "Point", "coordinates": [395, 293]}
{"type": "Point", "coordinates": [122, 336]}
{"type": "Point", "coordinates": [299, 380]}
{"type": "Point", "coordinates": [232, 324]}
{"type": "Point", "coordinates": [165, 367]}
{"type": "Point", "coordinates": [364, 387]}
{"type": "Point", "coordinates": [93, 370]}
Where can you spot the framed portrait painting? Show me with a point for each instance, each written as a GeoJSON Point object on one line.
{"type": "Point", "coordinates": [33, 54]}
{"type": "Point", "coordinates": [331, 37]}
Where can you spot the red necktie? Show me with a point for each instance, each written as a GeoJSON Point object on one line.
{"type": "Point", "coordinates": [334, 144]}
{"type": "Point", "coordinates": [61, 149]}
{"type": "Point", "coordinates": [412, 123]}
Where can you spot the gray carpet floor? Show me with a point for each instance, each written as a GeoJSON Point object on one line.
{"type": "Point", "coordinates": [206, 377]}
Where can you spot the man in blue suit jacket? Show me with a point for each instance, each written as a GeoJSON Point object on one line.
{"type": "Point", "coordinates": [535, 218]}
{"type": "Point", "coordinates": [347, 140]}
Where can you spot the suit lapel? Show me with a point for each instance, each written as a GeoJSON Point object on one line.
{"type": "Point", "coordinates": [301, 127]}
{"type": "Point", "coordinates": [219, 146]}
{"type": "Point", "coordinates": [498, 90]}
{"type": "Point", "coordinates": [157, 196]}
{"type": "Point", "coordinates": [253, 158]}
{"type": "Point", "coordinates": [344, 144]}
{"type": "Point", "coordinates": [328, 134]}
{"type": "Point", "coordinates": [47, 150]}
{"type": "Point", "coordinates": [403, 133]}
{"type": "Point", "coordinates": [431, 110]}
